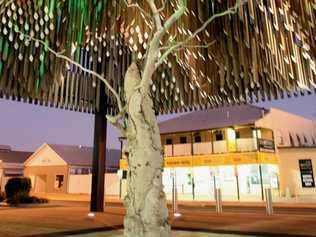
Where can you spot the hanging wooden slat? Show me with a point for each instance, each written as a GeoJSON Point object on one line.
{"type": "Point", "coordinates": [264, 51]}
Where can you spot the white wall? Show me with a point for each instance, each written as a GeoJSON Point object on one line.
{"type": "Point", "coordinates": [283, 123]}
{"type": "Point", "coordinates": [81, 184]}
{"type": "Point", "coordinates": [290, 178]}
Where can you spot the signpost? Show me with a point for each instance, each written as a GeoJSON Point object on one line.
{"type": "Point", "coordinates": [307, 174]}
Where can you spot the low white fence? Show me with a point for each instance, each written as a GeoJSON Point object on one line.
{"type": "Point", "coordinates": [81, 184]}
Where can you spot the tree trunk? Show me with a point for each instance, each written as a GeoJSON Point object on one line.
{"type": "Point", "coordinates": [145, 202]}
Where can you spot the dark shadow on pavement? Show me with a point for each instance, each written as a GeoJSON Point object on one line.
{"type": "Point", "coordinates": [77, 232]}
{"type": "Point", "coordinates": [241, 233]}
{"type": "Point", "coordinates": [120, 227]}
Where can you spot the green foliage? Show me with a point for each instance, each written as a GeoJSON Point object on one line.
{"type": "Point", "coordinates": [15, 186]}
{"type": "Point", "coordinates": [18, 191]}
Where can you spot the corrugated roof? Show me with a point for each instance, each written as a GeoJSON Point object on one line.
{"type": "Point", "coordinates": [82, 155]}
{"type": "Point", "coordinates": [213, 118]}
{"type": "Point", "coordinates": [5, 148]}
{"type": "Point", "coordinates": [9, 156]}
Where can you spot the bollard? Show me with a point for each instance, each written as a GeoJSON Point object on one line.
{"type": "Point", "coordinates": [269, 206]}
{"type": "Point", "coordinates": [218, 199]}
{"type": "Point", "coordinates": [174, 197]}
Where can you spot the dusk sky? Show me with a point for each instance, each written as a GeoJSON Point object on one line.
{"type": "Point", "coordinates": [26, 127]}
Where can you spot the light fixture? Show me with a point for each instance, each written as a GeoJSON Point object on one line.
{"type": "Point", "coordinates": [91, 214]}
{"type": "Point", "coordinates": [177, 214]}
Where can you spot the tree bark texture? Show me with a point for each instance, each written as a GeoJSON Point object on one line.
{"type": "Point", "coordinates": [145, 202]}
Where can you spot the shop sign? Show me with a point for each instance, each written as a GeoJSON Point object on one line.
{"type": "Point", "coordinates": [267, 158]}
{"type": "Point", "coordinates": [178, 162]}
{"type": "Point", "coordinates": [307, 175]}
{"type": "Point", "coordinates": [216, 160]}
{"type": "Point", "coordinates": [266, 145]}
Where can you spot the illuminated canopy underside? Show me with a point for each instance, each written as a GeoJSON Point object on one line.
{"type": "Point", "coordinates": [266, 51]}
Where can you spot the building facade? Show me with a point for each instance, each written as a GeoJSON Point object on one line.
{"type": "Point", "coordinates": [11, 164]}
{"type": "Point", "coordinates": [67, 169]}
{"type": "Point", "coordinates": [236, 149]}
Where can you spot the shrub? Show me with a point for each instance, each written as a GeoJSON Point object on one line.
{"type": "Point", "coordinates": [17, 186]}
{"type": "Point", "coordinates": [18, 191]}
{"type": "Point", "coordinates": [2, 196]}
{"type": "Point", "coordinates": [25, 198]}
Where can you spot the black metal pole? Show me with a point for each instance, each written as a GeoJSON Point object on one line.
{"type": "Point", "coordinates": [121, 141]}
{"type": "Point", "coordinates": [99, 153]}
{"type": "Point", "coordinates": [193, 188]}
{"type": "Point", "coordinates": [237, 183]}
{"type": "Point", "coordinates": [261, 182]}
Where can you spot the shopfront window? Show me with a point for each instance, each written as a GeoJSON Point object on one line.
{"type": "Point", "coordinates": [249, 182]}
{"type": "Point", "coordinates": [225, 179]}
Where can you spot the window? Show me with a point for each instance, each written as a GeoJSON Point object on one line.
{"type": "Point", "coordinates": [237, 134]}
{"type": "Point", "coordinates": [59, 181]}
{"type": "Point", "coordinates": [305, 140]}
{"type": "Point", "coordinates": [219, 136]}
{"type": "Point", "coordinates": [168, 141]}
{"type": "Point", "coordinates": [183, 140]}
{"type": "Point", "coordinates": [197, 139]}
{"type": "Point", "coordinates": [314, 142]}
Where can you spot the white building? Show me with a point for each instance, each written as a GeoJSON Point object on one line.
{"type": "Point", "coordinates": [67, 169]}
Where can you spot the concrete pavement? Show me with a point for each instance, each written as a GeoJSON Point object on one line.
{"type": "Point", "coordinates": [65, 219]}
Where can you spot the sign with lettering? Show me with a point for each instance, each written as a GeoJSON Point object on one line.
{"type": "Point", "coordinates": [266, 145]}
{"type": "Point", "coordinates": [307, 175]}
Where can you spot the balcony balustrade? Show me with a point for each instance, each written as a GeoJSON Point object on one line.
{"type": "Point", "coordinates": [246, 144]}
{"type": "Point", "coordinates": [168, 150]}
{"type": "Point", "coordinates": [182, 149]}
{"type": "Point", "coordinates": [204, 148]}
{"type": "Point", "coordinates": [220, 146]}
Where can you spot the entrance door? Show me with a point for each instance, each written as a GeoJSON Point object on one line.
{"type": "Point", "coordinates": [40, 184]}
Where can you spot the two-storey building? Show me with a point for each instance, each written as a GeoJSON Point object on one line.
{"type": "Point", "coordinates": [236, 149]}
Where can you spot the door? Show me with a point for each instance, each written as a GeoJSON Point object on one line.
{"type": "Point", "coordinates": [40, 184]}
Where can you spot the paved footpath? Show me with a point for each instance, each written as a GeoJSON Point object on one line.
{"type": "Point", "coordinates": [74, 221]}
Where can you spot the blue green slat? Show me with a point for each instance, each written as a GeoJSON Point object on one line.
{"type": "Point", "coordinates": [6, 50]}
{"type": "Point", "coordinates": [1, 68]}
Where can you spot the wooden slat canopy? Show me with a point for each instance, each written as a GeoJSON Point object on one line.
{"type": "Point", "coordinates": [265, 51]}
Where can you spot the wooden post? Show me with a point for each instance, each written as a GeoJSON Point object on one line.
{"type": "Point", "coordinates": [99, 153]}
